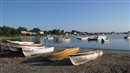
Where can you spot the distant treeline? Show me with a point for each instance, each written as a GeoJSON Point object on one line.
{"type": "Point", "coordinates": [11, 31]}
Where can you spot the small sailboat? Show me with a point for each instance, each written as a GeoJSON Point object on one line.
{"type": "Point", "coordinates": [81, 58]}
{"type": "Point", "coordinates": [63, 54]}
{"type": "Point", "coordinates": [31, 50]}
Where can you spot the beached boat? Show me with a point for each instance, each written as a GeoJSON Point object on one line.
{"type": "Point", "coordinates": [81, 58]}
{"type": "Point", "coordinates": [11, 48]}
{"type": "Point", "coordinates": [19, 44]}
{"type": "Point", "coordinates": [63, 54]}
{"type": "Point", "coordinates": [29, 50]}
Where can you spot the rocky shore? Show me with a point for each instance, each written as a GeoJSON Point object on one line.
{"type": "Point", "coordinates": [112, 61]}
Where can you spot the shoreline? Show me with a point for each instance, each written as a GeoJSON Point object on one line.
{"type": "Point", "coordinates": [111, 62]}
{"type": "Point", "coordinates": [107, 49]}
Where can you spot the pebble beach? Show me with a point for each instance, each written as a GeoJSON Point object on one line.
{"type": "Point", "coordinates": [112, 61]}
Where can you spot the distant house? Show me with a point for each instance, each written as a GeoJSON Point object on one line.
{"type": "Point", "coordinates": [24, 32]}
{"type": "Point", "coordinates": [31, 33]}
{"type": "Point", "coordinates": [41, 32]}
{"type": "Point", "coordinates": [75, 33]}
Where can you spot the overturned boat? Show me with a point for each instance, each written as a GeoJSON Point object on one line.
{"type": "Point", "coordinates": [81, 58]}
{"type": "Point", "coordinates": [63, 54]}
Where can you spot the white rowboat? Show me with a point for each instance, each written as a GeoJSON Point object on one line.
{"type": "Point", "coordinates": [18, 44]}
{"type": "Point", "coordinates": [28, 50]}
{"type": "Point", "coordinates": [81, 58]}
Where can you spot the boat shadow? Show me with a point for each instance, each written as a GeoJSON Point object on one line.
{"type": "Point", "coordinates": [43, 61]}
{"type": "Point", "coordinates": [6, 52]}
{"type": "Point", "coordinates": [10, 54]}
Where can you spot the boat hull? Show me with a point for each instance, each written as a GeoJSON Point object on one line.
{"type": "Point", "coordinates": [81, 58]}
{"type": "Point", "coordinates": [63, 40]}
{"type": "Point", "coordinates": [82, 38]}
{"type": "Point", "coordinates": [16, 45]}
{"type": "Point", "coordinates": [28, 51]}
{"type": "Point", "coordinates": [63, 54]}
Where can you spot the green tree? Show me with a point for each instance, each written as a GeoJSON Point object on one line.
{"type": "Point", "coordinates": [55, 31]}
{"type": "Point", "coordinates": [36, 30]}
{"type": "Point", "coordinates": [6, 31]}
{"type": "Point", "coordinates": [0, 31]}
{"type": "Point", "coordinates": [21, 29]}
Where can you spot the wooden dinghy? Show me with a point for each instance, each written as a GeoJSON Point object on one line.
{"type": "Point", "coordinates": [63, 54]}
{"type": "Point", "coordinates": [20, 42]}
{"type": "Point", "coordinates": [81, 58]}
{"type": "Point", "coordinates": [31, 50]}
{"type": "Point", "coordinates": [16, 45]}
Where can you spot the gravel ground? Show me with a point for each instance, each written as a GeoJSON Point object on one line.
{"type": "Point", "coordinates": [111, 62]}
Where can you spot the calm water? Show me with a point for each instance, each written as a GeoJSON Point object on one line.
{"type": "Point", "coordinates": [116, 42]}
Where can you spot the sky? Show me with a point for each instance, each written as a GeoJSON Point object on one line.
{"type": "Point", "coordinates": [81, 15]}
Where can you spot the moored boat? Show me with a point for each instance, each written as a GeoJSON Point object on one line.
{"type": "Point", "coordinates": [102, 37]}
{"type": "Point", "coordinates": [127, 37]}
{"type": "Point", "coordinates": [63, 54]}
{"type": "Point", "coordinates": [82, 37]}
{"type": "Point", "coordinates": [49, 37]}
{"type": "Point", "coordinates": [92, 38]}
{"type": "Point", "coordinates": [81, 58]}
{"type": "Point", "coordinates": [63, 39]}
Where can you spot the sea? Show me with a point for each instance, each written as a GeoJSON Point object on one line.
{"type": "Point", "coordinates": [116, 42]}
